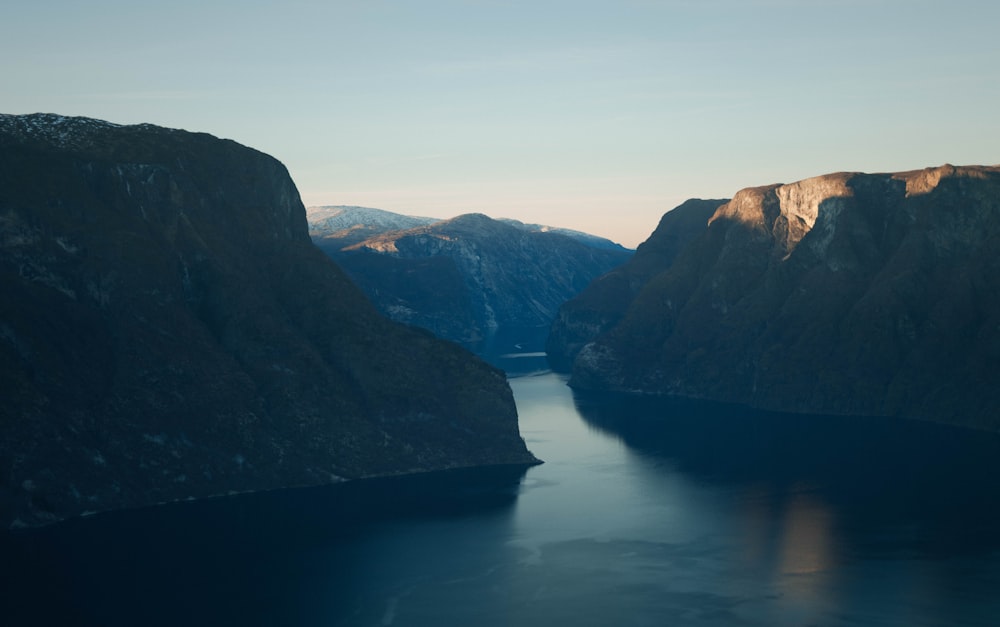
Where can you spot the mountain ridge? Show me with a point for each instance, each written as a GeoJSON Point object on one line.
{"type": "Point", "coordinates": [350, 224]}
{"type": "Point", "coordinates": [344, 221]}
{"type": "Point", "coordinates": [472, 278]}
{"type": "Point", "coordinates": [604, 302]}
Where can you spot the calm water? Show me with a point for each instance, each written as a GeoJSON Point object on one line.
{"type": "Point", "coordinates": [670, 514]}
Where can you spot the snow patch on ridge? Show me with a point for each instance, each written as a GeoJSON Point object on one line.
{"type": "Point", "coordinates": [329, 219]}
{"type": "Point", "coordinates": [59, 130]}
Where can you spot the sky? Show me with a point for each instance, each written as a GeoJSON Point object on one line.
{"type": "Point", "coordinates": [585, 114]}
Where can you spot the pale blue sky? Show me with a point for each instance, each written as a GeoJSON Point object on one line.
{"type": "Point", "coordinates": [595, 115]}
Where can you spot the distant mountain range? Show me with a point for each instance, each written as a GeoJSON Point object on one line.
{"type": "Point", "coordinates": [492, 285]}
{"type": "Point", "coordinates": [350, 225]}
{"type": "Point", "coordinates": [849, 293]}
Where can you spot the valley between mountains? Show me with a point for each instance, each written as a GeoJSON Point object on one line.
{"type": "Point", "coordinates": [174, 324]}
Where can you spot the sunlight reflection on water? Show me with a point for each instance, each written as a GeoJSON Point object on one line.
{"type": "Point", "coordinates": [764, 519]}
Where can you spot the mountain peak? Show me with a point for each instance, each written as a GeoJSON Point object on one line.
{"type": "Point", "coordinates": [345, 226]}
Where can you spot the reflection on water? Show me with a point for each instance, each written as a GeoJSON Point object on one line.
{"type": "Point", "coordinates": [842, 520]}
{"type": "Point", "coordinates": [861, 470]}
{"type": "Point", "coordinates": [795, 537]}
{"type": "Point", "coordinates": [644, 513]}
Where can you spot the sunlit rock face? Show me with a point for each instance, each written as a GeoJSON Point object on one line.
{"type": "Point", "coordinates": [869, 294]}
{"type": "Point", "coordinates": [169, 331]}
{"type": "Point", "coordinates": [469, 278]}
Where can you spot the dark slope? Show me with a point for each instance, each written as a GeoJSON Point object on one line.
{"type": "Point", "coordinates": [603, 303]}
{"type": "Point", "coordinates": [168, 330]}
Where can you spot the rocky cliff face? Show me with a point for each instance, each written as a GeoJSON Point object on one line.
{"type": "Point", "coordinates": [471, 278]}
{"type": "Point", "coordinates": [168, 331]}
{"type": "Point", "coordinates": [868, 294]}
{"type": "Point", "coordinates": [603, 303]}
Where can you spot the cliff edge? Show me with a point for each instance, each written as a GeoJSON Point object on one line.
{"type": "Point", "coordinates": [850, 293]}
{"type": "Point", "coordinates": [169, 331]}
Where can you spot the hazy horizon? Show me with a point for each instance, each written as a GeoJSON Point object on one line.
{"type": "Point", "coordinates": [597, 116]}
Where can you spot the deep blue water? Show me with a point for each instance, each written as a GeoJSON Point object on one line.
{"type": "Point", "coordinates": [643, 514]}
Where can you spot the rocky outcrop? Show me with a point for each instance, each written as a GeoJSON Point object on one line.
{"type": "Point", "coordinates": [169, 331]}
{"type": "Point", "coordinates": [472, 279]}
{"type": "Point", "coordinates": [603, 303]}
{"type": "Point", "coordinates": [867, 294]}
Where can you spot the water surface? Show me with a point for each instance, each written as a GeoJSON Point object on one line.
{"type": "Point", "coordinates": [643, 514]}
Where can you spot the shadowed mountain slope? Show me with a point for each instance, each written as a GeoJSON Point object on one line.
{"type": "Point", "coordinates": [472, 279]}
{"type": "Point", "coordinates": [168, 330]}
{"type": "Point", "coordinates": [603, 303]}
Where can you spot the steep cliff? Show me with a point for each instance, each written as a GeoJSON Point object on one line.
{"type": "Point", "coordinates": [168, 331]}
{"type": "Point", "coordinates": [473, 278]}
{"type": "Point", "coordinates": [603, 303]}
{"type": "Point", "coordinates": [868, 294]}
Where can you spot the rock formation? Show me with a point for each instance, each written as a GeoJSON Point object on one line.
{"type": "Point", "coordinates": [866, 294]}
{"type": "Point", "coordinates": [169, 331]}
